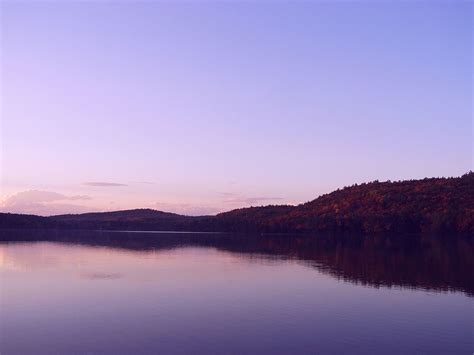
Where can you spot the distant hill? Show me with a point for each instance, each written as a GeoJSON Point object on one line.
{"type": "Point", "coordinates": [431, 205]}
{"type": "Point", "coordinates": [146, 219]}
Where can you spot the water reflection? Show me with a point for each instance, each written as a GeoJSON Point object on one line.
{"type": "Point", "coordinates": [437, 264]}
{"type": "Point", "coordinates": [132, 293]}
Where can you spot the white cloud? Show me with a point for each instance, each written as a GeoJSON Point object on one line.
{"type": "Point", "coordinates": [187, 209]}
{"type": "Point", "coordinates": [231, 198]}
{"type": "Point", "coordinates": [42, 203]}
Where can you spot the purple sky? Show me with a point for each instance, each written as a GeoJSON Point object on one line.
{"type": "Point", "coordinates": [202, 107]}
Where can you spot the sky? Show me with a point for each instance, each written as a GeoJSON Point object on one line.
{"type": "Point", "coordinates": [200, 107]}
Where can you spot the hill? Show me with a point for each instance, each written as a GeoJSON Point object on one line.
{"type": "Point", "coordinates": [431, 205]}
{"type": "Point", "coordinates": [435, 205]}
{"type": "Point", "coordinates": [145, 219]}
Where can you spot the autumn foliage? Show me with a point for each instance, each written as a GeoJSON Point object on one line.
{"type": "Point", "coordinates": [439, 205]}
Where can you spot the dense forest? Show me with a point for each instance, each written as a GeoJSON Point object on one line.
{"type": "Point", "coordinates": [440, 205]}
{"type": "Point", "coordinates": [431, 205]}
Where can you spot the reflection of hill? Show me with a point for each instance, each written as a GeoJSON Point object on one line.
{"type": "Point", "coordinates": [412, 262]}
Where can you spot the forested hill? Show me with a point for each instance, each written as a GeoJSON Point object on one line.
{"type": "Point", "coordinates": [434, 205]}
{"type": "Point", "coordinates": [441, 205]}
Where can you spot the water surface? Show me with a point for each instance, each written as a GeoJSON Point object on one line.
{"type": "Point", "coordinates": [101, 292]}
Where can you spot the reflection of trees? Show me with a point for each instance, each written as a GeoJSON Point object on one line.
{"type": "Point", "coordinates": [405, 261]}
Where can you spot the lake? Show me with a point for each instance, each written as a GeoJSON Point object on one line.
{"type": "Point", "coordinates": [132, 292]}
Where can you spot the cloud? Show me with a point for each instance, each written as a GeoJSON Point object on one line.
{"type": "Point", "coordinates": [41, 196]}
{"type": "Point", "coordinates": [234, 199]}
{"type": "Point", "coordinates": [103, 184]}
{"type": "Point", "coordinates": [187, 209]}
{"type": "Point", "coordinates": [229, 201]}
{"type": "Point", "coordinates": [42, 203]}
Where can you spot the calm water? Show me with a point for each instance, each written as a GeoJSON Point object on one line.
{"type": "Point", "coordinates": [197, 293]}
